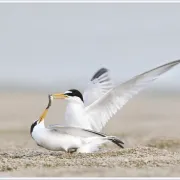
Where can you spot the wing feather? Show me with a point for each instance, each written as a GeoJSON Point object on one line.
{"type": "Point", "coordinates": [84, 133]}
{"type": "Point", "coordinates": [74, 131]}
{"type": "Point", "coordinates": [100, 111]}
{"type": "Point", "coordinates": [99, 85]}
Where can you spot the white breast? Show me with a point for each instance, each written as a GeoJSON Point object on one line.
{"type": "Point", "coordinates": [55, 141]}
{"type": "Point", "coordinates": [75, 116]}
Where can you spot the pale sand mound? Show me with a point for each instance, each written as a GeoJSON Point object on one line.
{"type": "Point", "coordinates": [41, 163]}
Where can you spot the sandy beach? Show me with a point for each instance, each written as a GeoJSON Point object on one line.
{"type": "Point", "coordinates": [148, 125]}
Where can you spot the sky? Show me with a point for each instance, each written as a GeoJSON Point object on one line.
{"type": "Point", "coordinates": [61, 45]}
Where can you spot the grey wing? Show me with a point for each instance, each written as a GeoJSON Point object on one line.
{"type": "Point", "coordinates": [85, 133]}
{"type": "Point", "coordinates": [106, 106]}
{"type": "Point", "coordinates": [99, 85]}
{"type": "Point", "coordinates": [74, 131]}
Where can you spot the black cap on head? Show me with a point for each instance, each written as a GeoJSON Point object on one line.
{"type": "Point", "coordinates": [74, 92]}
{"type": "Point", "coordinates": [32, 126]}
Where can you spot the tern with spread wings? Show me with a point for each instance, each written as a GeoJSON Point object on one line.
{"type": "Point", "coordinates": [87, 114]}
{"type": "Point", "coordinates": [102, 99]}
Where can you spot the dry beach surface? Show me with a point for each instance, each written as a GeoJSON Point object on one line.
{"type": "Point", "coordinates": [149, 126]}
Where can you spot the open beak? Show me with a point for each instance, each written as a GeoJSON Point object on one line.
{"type": "Point", "coordinates": [59, 96]}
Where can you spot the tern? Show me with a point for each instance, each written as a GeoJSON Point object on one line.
{"type": "Point", "coordinates": [68, 139]}
{"type": "Point", "coordinates": [87, 114]}
{"type": "Point", "coordinates": [102, 99]}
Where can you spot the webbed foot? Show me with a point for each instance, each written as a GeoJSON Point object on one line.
{"type": "Point", "coordinates": [72, 150]}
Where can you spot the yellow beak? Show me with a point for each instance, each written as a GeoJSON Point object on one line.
{"type": "Point", "coordinates": [42, 117]}
{"type": "Point", "coordinates": [59, 96]}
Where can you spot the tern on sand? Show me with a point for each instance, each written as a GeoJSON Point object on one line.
{"type": "Point", "coordinates": [87, 114]}
{"type": "Point", "coordinates": [69, 139]}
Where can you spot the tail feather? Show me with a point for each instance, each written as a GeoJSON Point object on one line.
{"type": "Point", "coordinates": [114, 139]}
{"type": "Point", "coordinates": [92, 144]}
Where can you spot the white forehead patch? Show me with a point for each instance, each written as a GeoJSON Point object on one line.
{"type": "Point", "coordinates": [51, 97]}
{"type": "Point", "coordinates": [68, 92]}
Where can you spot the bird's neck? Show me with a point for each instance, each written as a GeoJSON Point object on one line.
{"type": "Point", "coordinates": [35, 126]}
{"type": "Point", "coordinates": [41, 124]}
{"type": "Point", "coordinates": [75, 107]}
{"type": "Point", "coordinates": [74, 112]}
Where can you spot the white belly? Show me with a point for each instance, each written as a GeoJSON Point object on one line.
{"type": "Point", "coordinates": [55, 141]}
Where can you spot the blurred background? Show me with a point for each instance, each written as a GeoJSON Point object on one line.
{"type": "Point", "coordinates": [46, 48]}
{"type": "Point", "coordinates": [52, 47]}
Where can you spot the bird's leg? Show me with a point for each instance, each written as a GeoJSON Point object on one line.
{"type": "Point", "coordinates": [71, 150]}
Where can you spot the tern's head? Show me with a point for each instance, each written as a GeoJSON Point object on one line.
{"type": "Point", "coordinates": [40, 121]}
{"type": "Point", "coordinates": [70, 95]}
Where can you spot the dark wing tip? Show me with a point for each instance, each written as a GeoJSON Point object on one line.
{"type": "Point", "coordinates": [99, 73]}
{"type": "Point", "coordinates": [116, 141]}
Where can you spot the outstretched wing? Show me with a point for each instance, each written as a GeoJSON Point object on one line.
{"type": "Point", "coordinates": [106, 106]}
{"type": "Point", "coordinates": [99, 85]}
